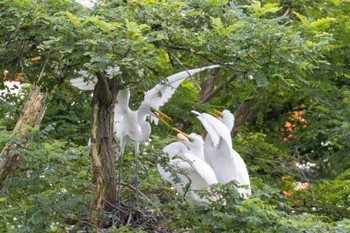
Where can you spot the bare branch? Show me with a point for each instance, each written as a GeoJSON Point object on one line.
{"type": "Point", "coordinates": [219, 88]}
{"type": "Point", "coordinates": [288, 12]}
{"type": "Point", "coordinates": [44, 66]}
{"type": "Point", "coordinates": [178, 60]}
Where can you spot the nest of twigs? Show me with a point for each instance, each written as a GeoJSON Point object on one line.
{"type": "Point", "coordinates": [145, 218]}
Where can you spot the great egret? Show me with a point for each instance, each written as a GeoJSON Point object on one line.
{"type": "Point", "coordinates": [226, 117]}
{"type": "Point", "coordinates": [132, 124]}
{"type": "Point", "coordinates": [227, 164]}
{"type": "Point", "coordinates": [191, 168]}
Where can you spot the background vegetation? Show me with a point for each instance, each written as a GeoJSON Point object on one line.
{"type": "Point", "coordinates": [286, 58]}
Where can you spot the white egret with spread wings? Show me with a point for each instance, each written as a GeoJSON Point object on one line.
{"type": "Point", "coordinates": [133, 125]}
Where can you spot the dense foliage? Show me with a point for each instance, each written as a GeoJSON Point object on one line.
{"type": "Point", "coordinates": [291, 58]}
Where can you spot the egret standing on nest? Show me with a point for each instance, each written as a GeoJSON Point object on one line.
{"type": "Point", "coordinates": [132, 124]}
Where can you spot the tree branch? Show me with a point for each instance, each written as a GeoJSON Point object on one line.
{"type": "Point", "coordinates": [209, 84]}
{"type": "Point", "coordinates": [219, 88]}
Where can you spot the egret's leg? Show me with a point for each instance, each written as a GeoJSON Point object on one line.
{"type": "Point", "coordinates": [136, 173]}
{"type": "Point", "coordinates": [122, 147]}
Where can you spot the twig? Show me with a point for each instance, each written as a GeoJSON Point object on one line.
{"type": "Point", "coordinates": [288, 12]}
{"type": "Point", "coordinates": [255, 61]}
{"type": "Point", "coordinates": [18, 62]}
{"type": "Point", "coordinates": [113, 205]}
{"type": "Point", "coordinates": [44, 66]}
{"type": "Point", "coordinates": [129, 219]}
{"type": "Point", "coordinates": [191, 77]}
{"type": "Point", "coordinates": [177, 47]}
{"type": "Point", "coordinates": [134, 189]}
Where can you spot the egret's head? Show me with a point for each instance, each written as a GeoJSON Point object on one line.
{"type": "Point", "coordinates": [225, 117]}
{"type": "Point", "coordinates": [228, 119]}
{"type": "Point", "coordinates": [158, 115]}
{"type": "Point", "coordinates": [180, 137]}
{"type": "Point", "coordinates": [196, 139]}
{"type": "Point", "coordinates": [188, 138]}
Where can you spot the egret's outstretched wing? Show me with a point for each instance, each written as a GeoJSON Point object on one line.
{"type": "Point", "coordinates": [121, 108]}
{"type": "Point", "coordinates": [157, 96]}
{"type": "Point", "coordinates": [215, 128]}
{"type": "Point", "coordinates": [83, 85]}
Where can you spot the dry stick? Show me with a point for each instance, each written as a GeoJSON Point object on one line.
{"type": "Point", "coordinates": [129, 219]}
{"type": "Point", "coordinates": [288, 12]}
{"type": "Point", "coordinates": [44, 66]}
{"type": "Point", "coordinates": [134, 189]}
{"type": "Point", "coordinates": [112, 205]}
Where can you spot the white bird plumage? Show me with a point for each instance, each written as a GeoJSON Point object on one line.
{"type": "Point", "coordinates": [132, 124]}
{"type": "Point", "coordinates": [227, 164]}
{"type": "Point", "coordinates": [191, 168]}
{"type": "Point", "coordinates": [214, 161]}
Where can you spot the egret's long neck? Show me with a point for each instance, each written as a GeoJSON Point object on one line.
{"type": "Point", "coordinates": [228, 119]}
{"type": "Point", "coordinates": [122, 104]}
{"type": "Point", "coordinates": [145, 126]}
{"type": "Point", "coordinates": [141, 116]}
{"type": "Point", "coordinates": [197, 149]}
{"type": "Point", "coordinates": [229, 123]}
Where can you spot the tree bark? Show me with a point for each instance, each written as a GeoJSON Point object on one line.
{"type": "Point", "coordinates": [103, 149]}
{"type": "Point", "coordinates": [243, 114]}
{"type": "Point", "coordinates": [31, 115]}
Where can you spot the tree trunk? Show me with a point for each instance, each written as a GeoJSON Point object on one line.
{"type": "Point", "coordinates": [31, 115]}
{"type": "Point", "coordinates": [103, 149]}
{"type": "Point", "coordinates": [243, 114]}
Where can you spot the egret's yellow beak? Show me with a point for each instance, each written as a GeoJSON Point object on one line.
{"type": "Point", "coordinates": [215, 113]}
{"type": "Point", "coordinates": [176, 137]}
{"type": "Point", "coordinates": [179, 131]}
{"type": "Point", "coordinates": [162, 116]}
